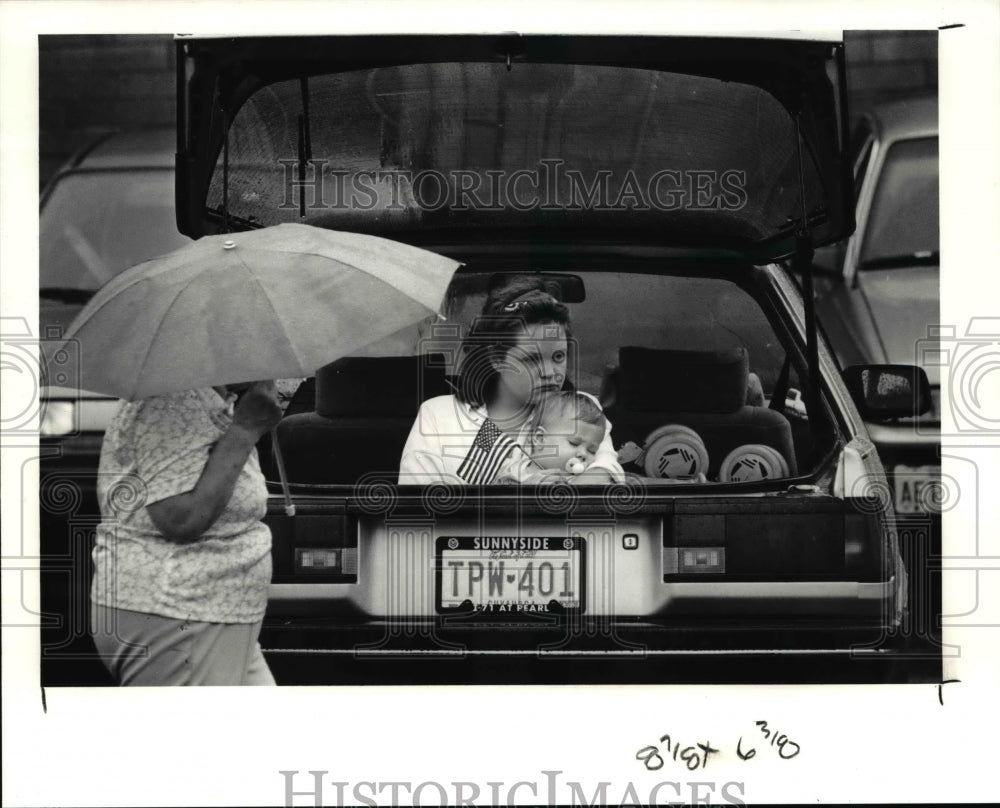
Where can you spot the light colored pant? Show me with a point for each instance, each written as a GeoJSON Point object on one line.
{"type": "Point", "coordinates": [147, 649]}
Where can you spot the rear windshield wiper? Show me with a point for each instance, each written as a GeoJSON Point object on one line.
{"type": "Point", "coordinates": [66, 294]}
{"type": "Point", "coordinates": [923, 258]}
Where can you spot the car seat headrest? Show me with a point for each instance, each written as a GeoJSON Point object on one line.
{"type": "Point", "coordinates": [379, 386]}
{"type": "Point", "coordinates": [658, 380]}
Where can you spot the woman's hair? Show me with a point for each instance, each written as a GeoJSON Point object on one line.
{"type": "Point", "coordinates": [511, 306]}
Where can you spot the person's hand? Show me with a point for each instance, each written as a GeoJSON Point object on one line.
{"type": "Point", "coordinates": [258, 410]}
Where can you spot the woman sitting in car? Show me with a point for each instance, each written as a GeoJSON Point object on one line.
{"type": "Point", "coordinates": [515, 355]}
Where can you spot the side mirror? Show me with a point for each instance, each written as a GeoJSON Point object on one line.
{"type": "Point", "coordinates": [884, 392]}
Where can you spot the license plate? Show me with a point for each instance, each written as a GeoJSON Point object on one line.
{"type": "Point", "coordinates": [509, 575]}
{"type": "Point", "coordinates": [915, 488]}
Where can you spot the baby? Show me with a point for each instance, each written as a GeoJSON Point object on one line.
{"type": "Point", "coordinates": [568, 430]}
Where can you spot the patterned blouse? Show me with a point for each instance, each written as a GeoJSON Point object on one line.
{"type": "Point", "coordinates": [156, 448]}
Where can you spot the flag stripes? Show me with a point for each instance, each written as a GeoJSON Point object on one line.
{"type": "Point", "coordinates": [486, 455]}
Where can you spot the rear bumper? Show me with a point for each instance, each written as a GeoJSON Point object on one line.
{"type": "Point", "coordinates": [637, 654]}
{"type": "Point", "coordinates": [747, 600]}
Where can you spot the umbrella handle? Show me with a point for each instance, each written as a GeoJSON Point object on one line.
{"type": "Point", "coordinates": [289, 507]}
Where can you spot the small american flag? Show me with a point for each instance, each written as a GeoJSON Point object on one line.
{"type": "Point", "coordinates": [488, 452]}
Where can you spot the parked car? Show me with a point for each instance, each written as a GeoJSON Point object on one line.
{"type": "Point", "coordinates": [880, 289]}
{"type": "Point", "coordinates": [878, 292]}
{"type": "Point", "coordinates": [652, 184]}
{"type": "Point", "coordinates": [878, 299]}
{"type": "Point", "coordinates": [109, 207]}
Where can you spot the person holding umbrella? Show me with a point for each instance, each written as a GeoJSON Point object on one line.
{"type": "Point", "coordinates": [182, 560]}
{"type": "Point", "coordinates": [515, 356]}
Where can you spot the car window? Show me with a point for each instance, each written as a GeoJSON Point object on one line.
{"type": "Point", "coordinates": [646, 310]}
{"type": "Point", "coordinates": [95, 225]}
{"type": "Point", "coordinates": [633, 345]}
{"type": "Point", "coordinates": [437, 145]}
{"type": "Point", "coordinates": [903, 222]}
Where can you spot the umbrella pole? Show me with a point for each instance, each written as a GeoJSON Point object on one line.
{"type": "Point", "coordinates": [289, 507]}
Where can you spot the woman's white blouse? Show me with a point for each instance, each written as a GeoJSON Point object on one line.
{"type": "Point", "coordinates": [443, 447]}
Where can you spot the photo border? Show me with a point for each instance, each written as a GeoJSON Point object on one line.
{"type": "Point", "coordinates": [75, 746]}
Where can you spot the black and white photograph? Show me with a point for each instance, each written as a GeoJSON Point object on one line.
{"type": "Point", "coordinates": [564, 412]}
{"type": "Point", "coordinates": [546, 313]}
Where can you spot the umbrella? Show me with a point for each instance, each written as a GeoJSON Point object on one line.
{"type": "Point", "coordinates": [273, 303]}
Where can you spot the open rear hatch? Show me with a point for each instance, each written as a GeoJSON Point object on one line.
{"type": "Point", "coordinates": [702, 142]}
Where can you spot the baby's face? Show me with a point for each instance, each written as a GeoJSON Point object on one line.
{"type": "Point", "coordinates": [567, 443]}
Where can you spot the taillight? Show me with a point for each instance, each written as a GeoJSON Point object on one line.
{"type": "Point", "coordinates": [685, 560]}
{"type": "Point", "coordinates": [869, 542]}
{"type": "Point", "coordinates": [851, 479]}
{"type": "Point", "coordinates": [314, 548]}
{"type": "Point", "coordinates": [798, 538]}
{"type": "Point", "coordinates": [324, 561]}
